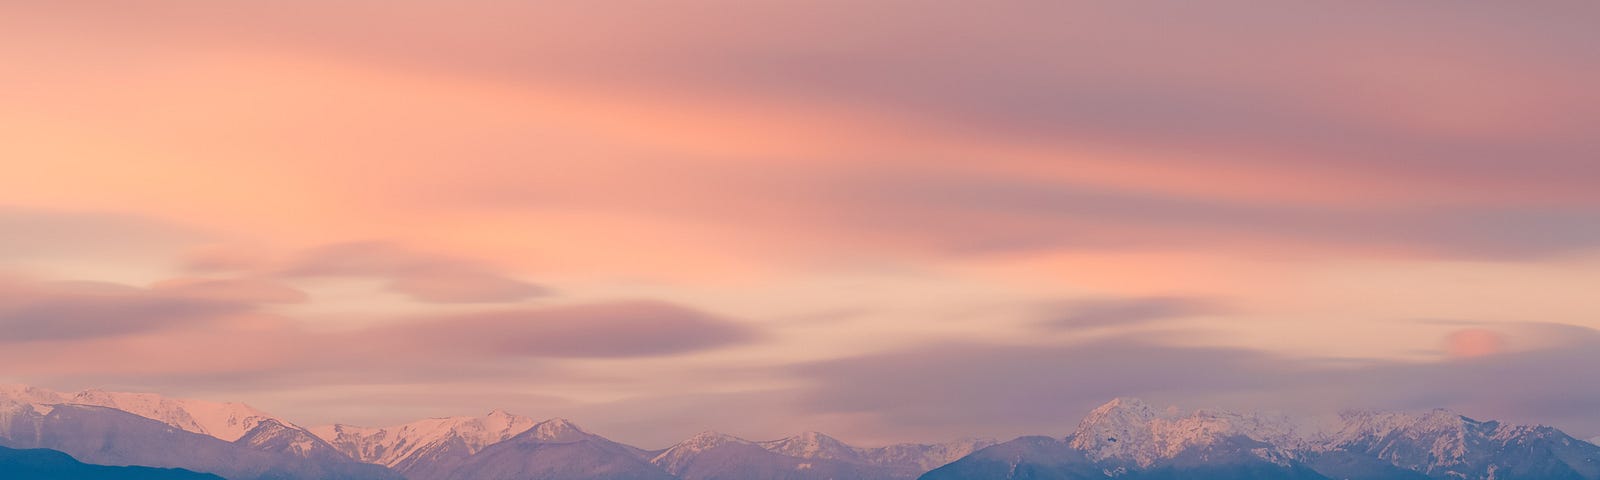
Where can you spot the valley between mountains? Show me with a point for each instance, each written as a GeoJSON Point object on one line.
{"type": "Point", "coordinates": [111, 435]}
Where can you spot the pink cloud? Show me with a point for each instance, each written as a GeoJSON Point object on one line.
{"type": "Point", "coordinates": [68, 311]}
{"type": "Point", "coordinates": [422, 276]}
{"type": "Point", "coordinates": [1474, 342]}
{"type": "Point", "coordinates": [599, 330]}
{"type": "Point", "coordinates": [243, 290]}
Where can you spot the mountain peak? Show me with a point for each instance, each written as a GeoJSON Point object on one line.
{"type": "Point", "coordinates": [709, 438]}
{"type": "Point", "coordinates": [1129, 430]}
{"type": "Point", "coordinates": [30, 394]}
{"type": "Point", "coordinates": [498, 424]}
{"type": "Point", "coordinates": [813, 445]}
{"type": "Point", "coordinates": [1444, 416]}
{"type": "Point", "coordinates": [401, 446]}
{"type": "Point", "coordinates": [225, 421]}
{"type": "Point", "coordinates": [558, 423]}
{"type": "Point", "coordinates": [1121, 413]}
{"type": "Point", "coordinates": [1370, 423]}
{"type": "Point", "coordinates": [677, 457]}
{"type": "Point", "coordinates": [274, 435]}
{"type": "Point", "coordinates": [1126, 405]}
{"type": "Point", "coordinates": [556, 430]}
{"type": "Point", "coordinates": [815, 438]}
{"type": "Point", "coordinates": [1122, 428]}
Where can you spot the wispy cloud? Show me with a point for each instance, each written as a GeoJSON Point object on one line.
{"type": "Point", "coordinates": [899, 162]}
{"type": "Point", "coordinates": [422, 276]}
{"type": "Point", "coordinates": [80, 311]}
{"type": "Point", "coordinates": [604, 330]}
{"type": "Point", "coordinates": [1122, 312]}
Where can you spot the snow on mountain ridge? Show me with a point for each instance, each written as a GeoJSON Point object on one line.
{"type": "Point", "coordinates": [389, 446]}
{"type": "Point", "coordinates": [1446, 432]}
{"type": "Point", "coordinates": [1128, 429]}
{"type": "Point", "coordinates": [557, 430]}
{"type": "Point", "coordinates": [911, 456]}
{"type": "Point", "coordinates": [1442, 443]}
{"type": "Point", "coordinates": [30, 394]}
{"type": "Point", "coordinates": [924, 456]}
{"type": "Point", "coordinates": [223, 420]}
{"type": "Point", "coordinates": [813, 445]}
{"type": "Point", "coordinates": [704, 440]}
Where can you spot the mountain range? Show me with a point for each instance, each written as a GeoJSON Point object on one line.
{"type": "Point", "coordinates": [1128, 439]}
{"type": "Point", "coordinates": [271, 450]}
{"type": "Point", "coordinates": [112, 435]}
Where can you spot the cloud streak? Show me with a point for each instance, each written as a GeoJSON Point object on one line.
{"type": "Point", "coordinates": [62, 312]}
{"type": "Point", "coordinates": [936, 170]}
{"type": "Point", "coordinates": [602, 330]}
{"type": "Point", "coordinates": [134, 335]}
{"type": "Point", "coordinates": [421, 276]}
{"type": "Point", "coordinates": [1123, 312]}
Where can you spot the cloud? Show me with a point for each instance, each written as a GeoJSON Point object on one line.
{"type": "Point", "coordinates": [601, 330]}
{"type": "Point", "coordinates": [998, 213]}
{"type": "Point", "coordinates": [898, 135]}
{"type": "Point", "coordinates": [462, 285]}
{"type": "Point", "coordinates": [1015, 72]}
{"type": "Point", "coordinates": [255, 351]}
{"type": "Point", "coordinates": [1474, 342]}
{"type": "Point", "coordinates": [223, 258]}
{"type": "Point", "coordinates": [986, 388]}
{"type": "Point", "coordinates": [77, 311]}
{"type": "Point", "coordinates": [32, 233]}
{"type": "Point", "coordinates": [423, 277]}
{"type": "Point", "coordinates": [242, 290]}
{"type": "Point", "coordinates": [1121, 312]}
{"type": "Point", "coordinates": [1181, 118]}
{"type": "Point", "coordinates": [947, 389]}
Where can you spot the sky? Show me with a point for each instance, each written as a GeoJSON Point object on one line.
{"type": "Point", "coordinates": [888, 221]}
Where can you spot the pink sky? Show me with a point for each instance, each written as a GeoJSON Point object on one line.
{"type": "Point", "coordinates": [888, 220]}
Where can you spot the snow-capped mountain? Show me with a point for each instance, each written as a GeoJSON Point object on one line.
{"type": "Point", "coordinates": [921, 457]}
{"type": "Point", "coordinates": [1124, 439]}
{"type": "Point", "coordinates": [907, 459]}
{"type": "Point", "coordinates": [1128, 439]}
{"type": "Point", "coordinates": [1595, 440]}
{"type": "Point", "coordinates": [1446, 445]}
{"type": "Point", "coordinates": [681, 457]}
{"type": "Point", "coordinates": [554, 449]}
{"type": "Point", "coordinates": [416, 444]}
{"type": "Point", "coordinates": [277, 437]}
{"type": "Point", "coordinates": [813, 445]}
{"type": "Point", "coordinates": [107, 436]}
{"type": "Point", "coordinates": [811, 455]}
{"type": "Point", "coordinates": [225, 421]}
{"type": "Point", "coordinates": [1128, 430]}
